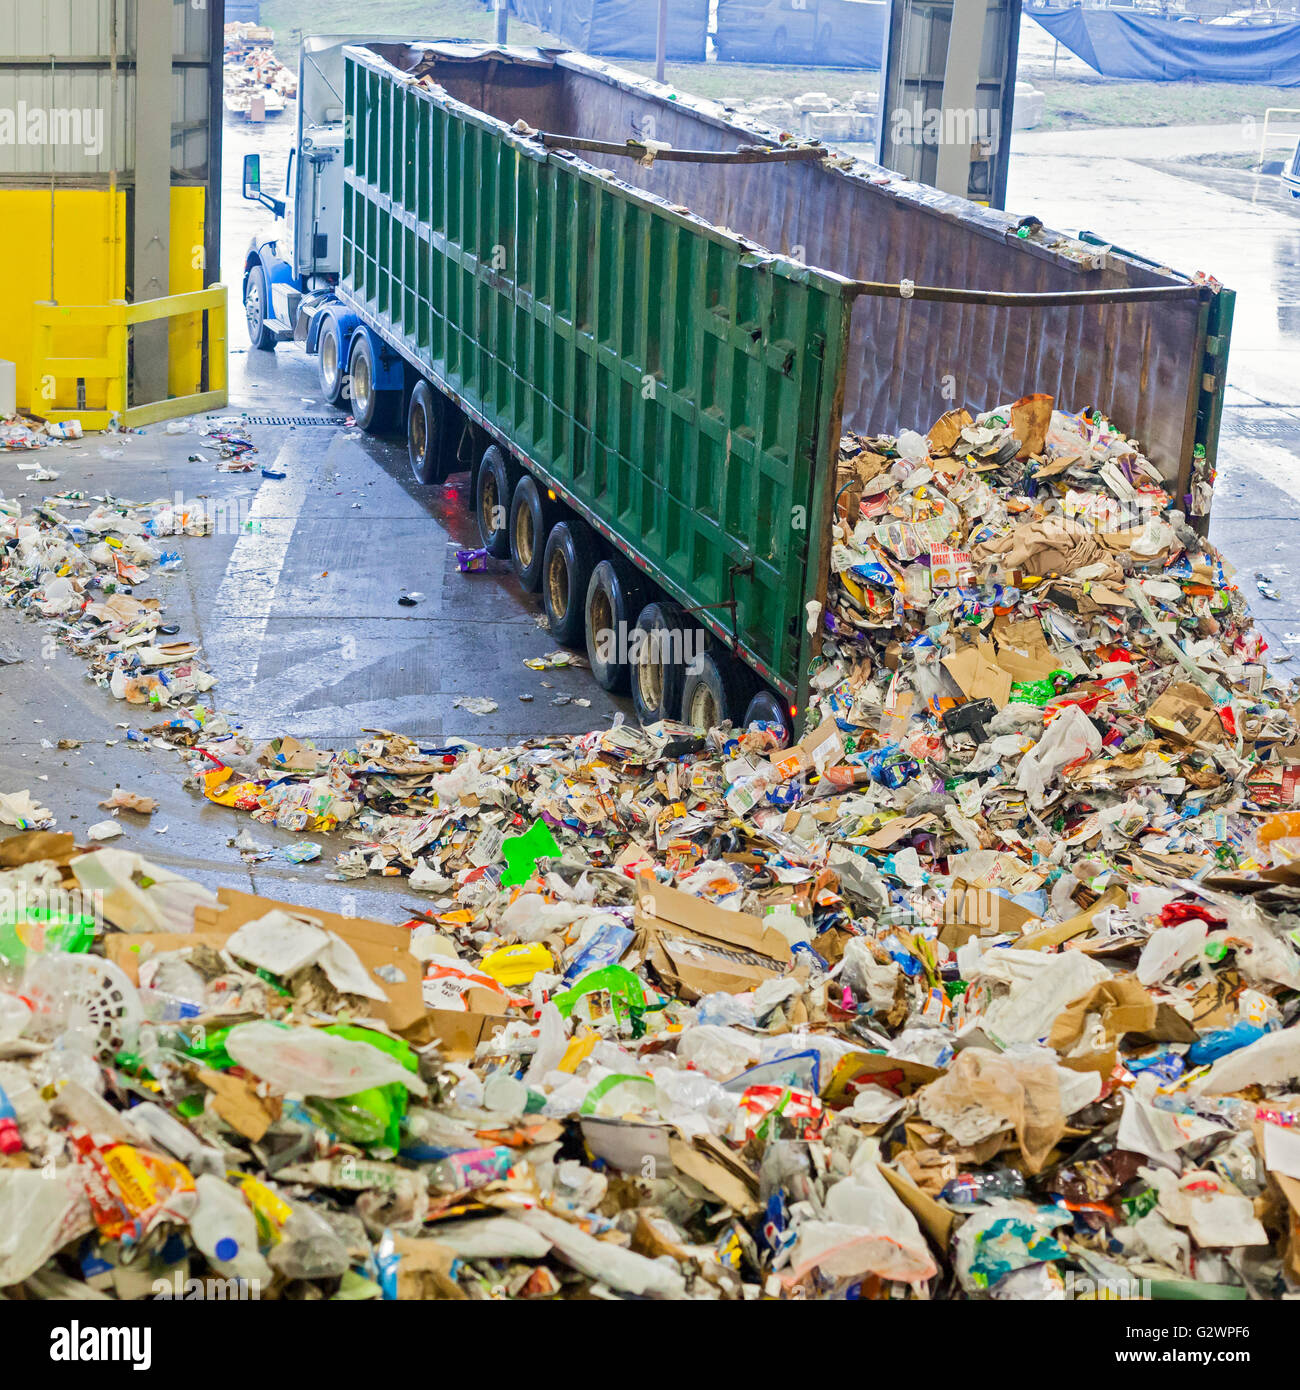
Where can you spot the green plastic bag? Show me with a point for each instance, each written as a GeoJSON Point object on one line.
{"type": "Point", "coordinates": [625, 991]}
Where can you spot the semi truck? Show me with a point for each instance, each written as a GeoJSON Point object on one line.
{"type": "Point", "coordinates": [642, 324]}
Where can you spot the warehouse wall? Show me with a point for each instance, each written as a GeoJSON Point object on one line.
{"type": "Point", "coordinates": [68, 86]}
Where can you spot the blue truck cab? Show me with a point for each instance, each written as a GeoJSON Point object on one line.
{"type": "Point", "coordinates": [1291, 172]}
{"type": "Point", "coordinates": [291, 270]}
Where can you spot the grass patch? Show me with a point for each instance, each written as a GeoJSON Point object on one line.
{"type": "Point", "coordinates": [1084, 101]}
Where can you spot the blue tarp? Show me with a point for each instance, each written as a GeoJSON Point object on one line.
{"type": "Point", "coordinates": [1119, 43]}
{"type": "Point", "coordinates": [621, 28]}
{"type": "Point", "coordinates": [830, 33]}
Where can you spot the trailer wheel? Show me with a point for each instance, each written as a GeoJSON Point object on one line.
{"type": "Point", "coordinates": [716, 692]}
{"type": "Point", "coordinates": [493, 484]}
{"type": "Point", "coordinates": [572, 552]}
{"type": "Point", "coordinates": [257, 299]}
{"type": "Point", "coordinates": [373, 410]}
{"type": "Point", "coordinates": [426, 434]}
{"type": "Point", "coordinates": [767, 708]}
{"type": "Point", "coordinates": [614, 598]}
{"type": "Point", "coordinates": [333, 378]}
{"type": "Point", "coordinates": [659, 669]}
{"type": "Point", "coordinates": [531, 517]}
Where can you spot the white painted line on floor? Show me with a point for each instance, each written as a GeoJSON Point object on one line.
{"type": "Point", "coordinates": [252, 576]}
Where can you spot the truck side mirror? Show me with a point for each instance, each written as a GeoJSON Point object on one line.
{"type": "Point", "coordinates": [253, 185]}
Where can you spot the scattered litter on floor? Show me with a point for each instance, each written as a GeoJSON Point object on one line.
{"type": "Point", "coordinates": [558, 660]}
{"type": "Point", "coordinates": [475, 704]}
{"type": "Point", "coordinates": [480, 562]}
{"type": "Point", "coordinates": [123, 800]}
{"type": "Point", "coordinates": [83, 572]}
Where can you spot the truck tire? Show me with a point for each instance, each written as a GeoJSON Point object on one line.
{"type": "Point", "coordinates": [426, 434]}
{"type": "Point", "coordinates": [493, 485]}
{"type": "Point", "coordinates": [614, 599]}
{"type": "Point", "coordinates": [330, 364]}
{"type": "Point", "coordinates": [716, 692]}
{"type": "Point", "coordinates": [374, 411]}
{"type": "Point", "coordinates": [767, 708]}
{"type": "Point", "coordinates": [531, 518]}
{"type": "Point", "coordinates": [659, 672]}
{"type": "Point", "coordinates": [572, 552]}
{"type": "Point", "coordinates": [257, 299]}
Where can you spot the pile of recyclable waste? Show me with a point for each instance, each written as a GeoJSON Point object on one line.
{"type": "Point", "coordinates": [80, 560]}
{"type": "Point", "coordinates": [985, 987]}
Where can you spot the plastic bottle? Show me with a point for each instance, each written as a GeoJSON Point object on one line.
{"type": "Point", "coordinates": [167, 1132]}
{"type": "Point", "coordinates": [473, 1168]}
{"type": "Point", "coordinates": [309, 1247]}
{"type": "Point", "coordinates": [1218, 1042]}
{"type": "Point", "coordinates": [225, 1230]}
{"type": "Point", "coordinates": [969, 1189]}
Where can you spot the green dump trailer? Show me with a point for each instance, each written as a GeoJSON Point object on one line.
{"type": "Point", "coordinates": [644, 324]}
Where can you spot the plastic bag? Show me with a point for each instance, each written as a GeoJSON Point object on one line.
{"type": "Point", "coordinates": [983, 1093]}
{"type": "Point", "coordinates": [1027, 1013]}
{"type": "Point", "coordinates": [621, 1269]}
{"type": "Point", "coordinates": [39, 1214]}
{"type": "Point", "coordinates": [314, 1063]}
{"type": "Point", "coordinates": [1007, 1237]}
{"type": "Point", "coordinates": [718, 1052]}
{"type": "Point", "coordinates": [1068, 738]}
{"type": "Point", "coordinates": [1170, 949]}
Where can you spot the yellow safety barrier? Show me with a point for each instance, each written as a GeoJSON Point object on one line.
{"type": "Point", "coordinates": [116, 320]}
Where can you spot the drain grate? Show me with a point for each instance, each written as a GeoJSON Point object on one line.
{"type": "Point", "coordinates": [295, 419]}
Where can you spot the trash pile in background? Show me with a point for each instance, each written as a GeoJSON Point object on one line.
{"type": "Point", "coordinates": [252, 73]}
{"type": "Point", "coordinates": [985, 988]}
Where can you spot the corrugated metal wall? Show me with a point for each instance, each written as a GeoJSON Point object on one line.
{"type": "Point", "coordinates": [73, 60]}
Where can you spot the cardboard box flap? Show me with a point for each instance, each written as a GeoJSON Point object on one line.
{"type": "Point", "coordinates": [698, 948]}
{"type": "Point", "coordinates": [896, 1074]}
{"type": "Point", "coordinates": [376, 944]}
{"type": "Point", "coordinates": [978, 674]}
{"type": "Point", "coordinates": [718, 1171]}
